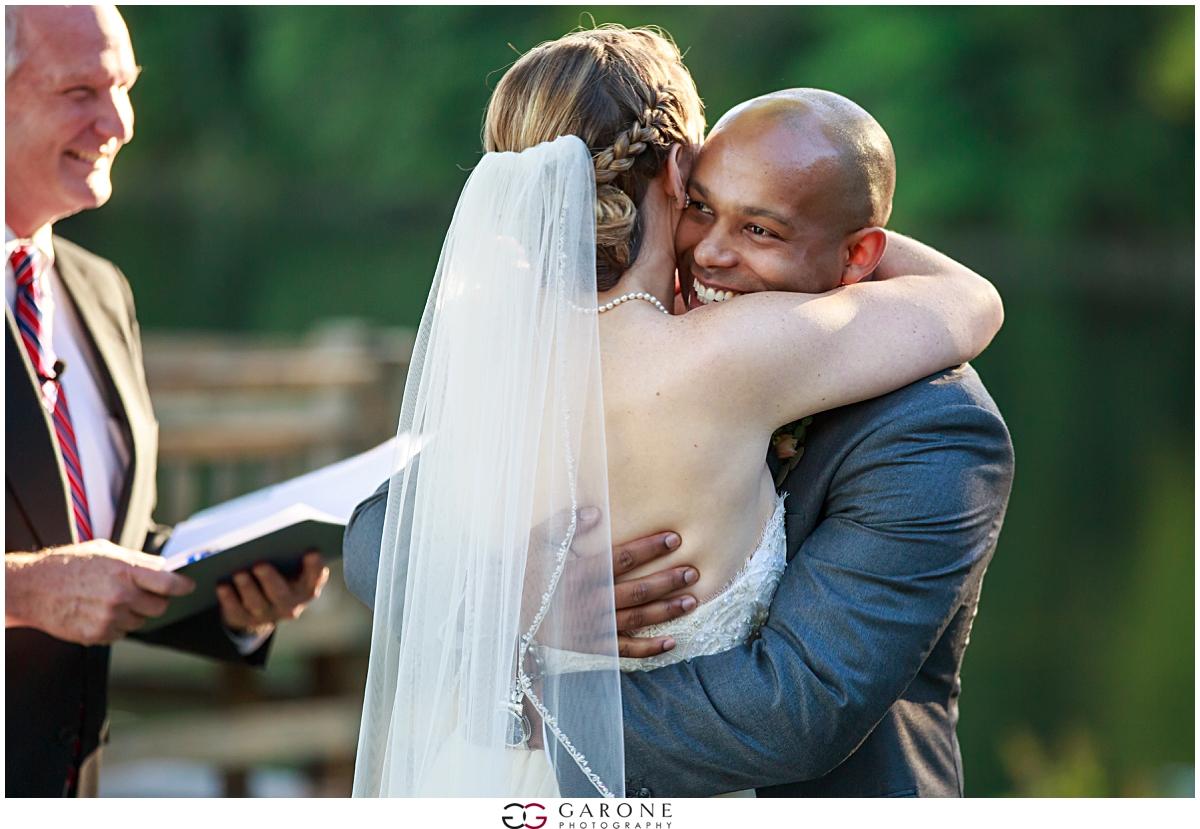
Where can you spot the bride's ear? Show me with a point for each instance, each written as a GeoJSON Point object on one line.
{"type": "Point", "coordinates": [678, 169]}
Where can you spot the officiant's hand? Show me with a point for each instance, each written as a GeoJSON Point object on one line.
{"type": "Point", "coordinates": [261, 596]}
{"type": "Point", "coordinates": [91, 593]}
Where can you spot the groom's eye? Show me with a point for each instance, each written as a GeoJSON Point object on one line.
{"type": "Point", "coordinates": [699, 205]}
{"type": "Point", "coordinates": [760, 231]}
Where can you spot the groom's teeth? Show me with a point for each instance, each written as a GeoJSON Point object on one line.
{"type": "Point", "coordinates": [709, 295]}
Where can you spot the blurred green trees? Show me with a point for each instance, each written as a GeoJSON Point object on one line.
{"type": "Point", "coordinates": [296, 163]}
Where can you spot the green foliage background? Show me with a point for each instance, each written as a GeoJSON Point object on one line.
{"type": "Point", "coordinates": [292, 164]}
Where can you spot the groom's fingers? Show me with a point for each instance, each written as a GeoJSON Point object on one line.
{"type": "Point", "coordinates": [554, 529]}
{"type": "Point", "coordinates": [634, 648]}
{"type": "Point", "coordinates": [633, 554]}
{"type": "Point", "coordinates": [655, 613]}
{"type": "Point", "coordinates": [652, 587]}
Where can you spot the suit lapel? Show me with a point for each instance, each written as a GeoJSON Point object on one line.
{"type": "Point", "coordinates": [32, 463]}
{"type": "Point", "coordinates": [111, 368]}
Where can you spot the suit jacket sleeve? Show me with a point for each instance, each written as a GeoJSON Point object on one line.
{"type": "Point", "coordinates": [912, 514]}
{"type": "Point", "coordinates": [361, 544]}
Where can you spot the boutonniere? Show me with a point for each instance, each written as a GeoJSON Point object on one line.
{"type": "Point", "coordinates": [787, 446]}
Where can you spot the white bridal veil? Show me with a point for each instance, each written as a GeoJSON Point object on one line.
{"type": "Point", "coordinates": [484, 562]}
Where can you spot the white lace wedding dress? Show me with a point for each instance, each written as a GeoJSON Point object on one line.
{"type": "Point", "coordinates": [725, 621]}
{"type": "Point", "coordinates": [504, 394]}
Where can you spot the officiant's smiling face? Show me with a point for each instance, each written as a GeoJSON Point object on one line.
{"type": "Point", "coordinates": [779, 201]}
{"type": "Point", "coordinates": [67, 110]}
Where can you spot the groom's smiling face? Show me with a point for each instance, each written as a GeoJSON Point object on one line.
{"type": "Point", "coordinates": [768, 208]}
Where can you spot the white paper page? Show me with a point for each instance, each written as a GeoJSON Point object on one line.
{"type": "Point", "coordinates": [247, 532]}
{"type": "Point", "coordinates": [333, 491]}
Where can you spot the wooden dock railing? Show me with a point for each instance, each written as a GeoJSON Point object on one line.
{"type": "Point", "coordinates": [237, 413]}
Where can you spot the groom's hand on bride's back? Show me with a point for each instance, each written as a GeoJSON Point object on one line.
{"type": "Point", "coordinates": [640, 601]}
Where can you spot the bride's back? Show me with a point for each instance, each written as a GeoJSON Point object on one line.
{"type": "Point", "coordinates": [675, 463]}
{"type": "Point", "coordinates": [672, 464]}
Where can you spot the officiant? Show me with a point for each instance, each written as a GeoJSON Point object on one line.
{"type": "Point", "coordinates": [80, 436]}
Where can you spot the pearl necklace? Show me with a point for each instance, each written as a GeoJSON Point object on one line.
{"type": "Point", "coordinates": [640, 295]}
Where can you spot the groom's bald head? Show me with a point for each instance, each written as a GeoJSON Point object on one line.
{"type": "Point", "coordinates": [845, 152]}
{"type": "Point", "coordinates": [789, 193]}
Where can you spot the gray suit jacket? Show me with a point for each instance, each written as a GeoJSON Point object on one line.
{"type": "Point", "coordinates": [851, 688]}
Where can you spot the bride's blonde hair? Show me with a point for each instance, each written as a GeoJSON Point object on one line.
{"type": "Point", "coordinates": [627, 94]}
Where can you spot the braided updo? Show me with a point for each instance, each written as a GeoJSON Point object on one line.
{"type": "Point", "coordinates": [627, 94]}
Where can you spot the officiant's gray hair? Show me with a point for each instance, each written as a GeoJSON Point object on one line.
{"type": "Point", "coordinates": [12, 52]}
{"type": "Point", "coordinates": [627, 94]}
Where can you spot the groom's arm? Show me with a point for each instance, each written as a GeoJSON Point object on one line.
{"type": "Point", "coordinates": [911, 519]}
{"type": "Point", "coordinates": [361, 543]}
{"type": "Point", "coordinates": [639, 602]}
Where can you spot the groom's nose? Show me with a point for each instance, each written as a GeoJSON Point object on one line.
{"type": "Point", "coordinates": [713, 251]}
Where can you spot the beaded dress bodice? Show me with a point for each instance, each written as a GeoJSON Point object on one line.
{"type": "Point", "coordinates": [726, 620]}
{"type": "Point", "coordinates": [723, 622]}
{"type": "Point", "coordinates": [733, 615]}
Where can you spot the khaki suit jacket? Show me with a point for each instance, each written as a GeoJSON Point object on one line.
{"type": "Point", "coordinates": [56, 691]}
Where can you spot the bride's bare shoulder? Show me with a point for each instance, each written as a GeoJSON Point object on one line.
{"type": "Point", "coordinates": [713, 356]}
{"type": "Point", "coordinates": [738, 331]}
{"type": "Point", "coordinates": [787, 348]}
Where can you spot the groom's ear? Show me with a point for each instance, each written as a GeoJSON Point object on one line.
{"type": "Point", "coordinates": [861, 252]}
{"type": "Point", "coordinates": [679, 167]}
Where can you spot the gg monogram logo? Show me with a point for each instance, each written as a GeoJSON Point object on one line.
{"type": "Point", "coordinates": [510, 819]}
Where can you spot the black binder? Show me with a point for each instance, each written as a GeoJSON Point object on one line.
{"type": "Point", "coordinates": [284, 548]}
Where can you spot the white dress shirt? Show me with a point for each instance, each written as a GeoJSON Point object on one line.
{"type": "Point", "coordinates": [102, 450]}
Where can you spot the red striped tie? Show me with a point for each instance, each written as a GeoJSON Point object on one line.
{"type": "Point", "coordinates": [26, 265]}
